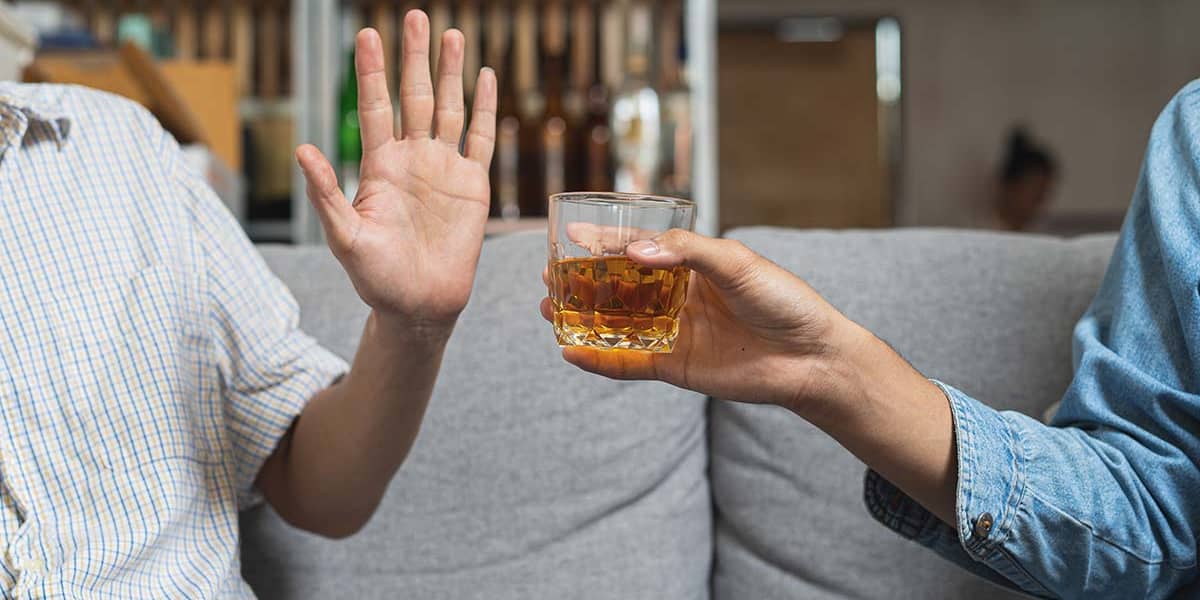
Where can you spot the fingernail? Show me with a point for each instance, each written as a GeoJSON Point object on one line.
{"type": "Point", "coordinates": [644, 247]}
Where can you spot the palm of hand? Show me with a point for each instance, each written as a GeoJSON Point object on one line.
{"type": "Point", "coordinates": [411, 239]}
{"type": "Point", "coordinates": [422, 209]}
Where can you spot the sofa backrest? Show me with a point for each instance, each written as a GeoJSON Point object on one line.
{"type": "Point", "coordinates": [991, 314]}
{"type": "Point", "coordinates": [530, 479]}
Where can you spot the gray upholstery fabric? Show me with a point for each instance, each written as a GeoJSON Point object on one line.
{"type": "Point", "coordinates": [529, 480]}
{"type": "Point", "coordinates": [991, 314]}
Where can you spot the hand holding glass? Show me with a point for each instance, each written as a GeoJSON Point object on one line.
{"type": "Point", "coordinates": [600, 297]}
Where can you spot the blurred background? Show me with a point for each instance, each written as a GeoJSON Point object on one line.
{"type": "Point", "coordinates": [1022, 115]}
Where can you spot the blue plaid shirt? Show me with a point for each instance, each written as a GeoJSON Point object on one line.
{"type": "Point", "coordinates": [149, 360]}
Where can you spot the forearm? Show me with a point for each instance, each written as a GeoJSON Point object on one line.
{"type": "Point", "coordinates": [1054, 498]}
{"type": "Point", "coordinates": [331, 471]}
{"type": "Point", "coordinates": [888, 415]}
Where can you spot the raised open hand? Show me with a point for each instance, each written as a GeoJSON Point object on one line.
{"type": "Point", "coordinates": [410, 241]}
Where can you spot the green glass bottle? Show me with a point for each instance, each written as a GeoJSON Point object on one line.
{"type": "Point", "coordinates": [349, 136]}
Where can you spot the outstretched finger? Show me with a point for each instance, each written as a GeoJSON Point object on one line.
{"type": "Point", "coordinates": [449, 115]}
{"type": "Point", "coordinates": [416, 88]}
{"type": "Point", "coordinates": [605, 239]}
{"type": "Point", "coordinates": [338, 218]}
{"type": "Point", "coordinates": [481, 137]}
{"type": "Point", "coordinates": [374, 102]}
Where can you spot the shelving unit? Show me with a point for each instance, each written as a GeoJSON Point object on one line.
{"type": "Point", "coordinates": [317, 50]}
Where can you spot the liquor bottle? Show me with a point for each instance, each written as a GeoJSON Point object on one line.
{"type": "Point", "coordinates": [610, 75]}
{"type": "Point", "coordinates": [104, 23]}
{"type": "Point", "coordinates": [439, 22]}
{"type": "Point", "coordinates": [636, 113]}
{"type": "Point", "coordinates": [285, 49]}
{"type": "Point", "coordinates": [162, 46]}
{"type": "Point", "coordinates": [213, 27]}
{"type": "Point", "coordinates": [531, 191]}
{"type": "Point", "coordinates": [506, 162]}
{"type": "Point", "coordinates": [269, 39]}
{"type": "Point", "coordinates": [185, 30]}
{"type": "Point", "coordinates": [575, 100]}
{"type": "Point", "coordinates": [243, 47]}
{"type": "Point", "coordinates": [556, 142]}
{"type": "Point", "coordinates": [676, 176]}
{"type": "Point", "coordinates": [468, 23]}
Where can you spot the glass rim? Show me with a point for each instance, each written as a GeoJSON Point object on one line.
{"type": "Point", "coordinates": [622, 198]}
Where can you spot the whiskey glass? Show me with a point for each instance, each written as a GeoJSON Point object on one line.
{"type": "Point", "coordinates": [601, 298]}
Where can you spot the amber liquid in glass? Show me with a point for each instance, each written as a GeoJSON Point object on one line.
{"type": "Point", "coordinates": [612, 302]}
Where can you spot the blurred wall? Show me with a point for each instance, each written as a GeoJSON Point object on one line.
{"type": "Point", "coordinates": [1087, 76]}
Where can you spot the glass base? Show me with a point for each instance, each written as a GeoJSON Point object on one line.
{"type": "Point", "coordinates": [658, 334]}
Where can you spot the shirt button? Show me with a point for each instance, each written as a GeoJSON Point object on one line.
{"type": "Point", "coordinates": [983, 525]}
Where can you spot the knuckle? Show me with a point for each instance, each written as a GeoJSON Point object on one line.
{"type": "Point", "coordinates": [738, 249]}
{"type": "Point", "coordinates": [338, 242]}
{"type": "Point", "coordinates": [374, 103]}
{"type": "Point", "coordinates": [483, 136]}
{"type": "Point", "coordinates": [417, 90]}
{"type": "Point", "coordinates": [415, 50]}
{"type": "Point", "coordinates": [675, 238]}
{"type": "Point", "coordinates": [743, 262]}
{"type": "Point", "coordinates": [485, 111]}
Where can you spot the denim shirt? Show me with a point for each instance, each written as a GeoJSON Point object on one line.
{"type": "Point", "coordinates": [1105, 502]}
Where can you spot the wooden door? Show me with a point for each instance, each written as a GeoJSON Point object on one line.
{"type": "Point", "coordinates": [800, 130]}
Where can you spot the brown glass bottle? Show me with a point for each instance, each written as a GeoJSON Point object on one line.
{"type": "Point", "coordinates": [575, 98]}
{"type": "Point", "coordinates": [556, 138]}
{"type": "Point", "coordinates": [609, 75]}
{"type": "Point", "coordinates": [467, 17]}
{"type": "Point", "coordinates": [530, 104]}
{"type": "Point", "coordinates": [676, 171]}
{"type": "Point", "coordinates": [506, 162]}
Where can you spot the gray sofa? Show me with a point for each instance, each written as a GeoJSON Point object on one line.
{"type": "Point", "coordinates": [534, 480]}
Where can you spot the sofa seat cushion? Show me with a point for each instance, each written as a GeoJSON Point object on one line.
{"type": "Point", "coordinates": [530, 479]}
{"type": "Point", "coordinates": [991, 314]}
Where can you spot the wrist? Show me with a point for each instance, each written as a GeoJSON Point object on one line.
{"type": "Point", "coordinates": [867, 385]}
{"type": "Point", "coordinates": [410, 331]}
{"type": "Point", "coordinates": [841, 375]}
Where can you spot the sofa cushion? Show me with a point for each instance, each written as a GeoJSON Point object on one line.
{"type": "Point", "coordinates": [530, 479]}
{"type": "Point", "coordinates": [989, 313]}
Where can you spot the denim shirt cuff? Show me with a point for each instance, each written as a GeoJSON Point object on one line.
{"type": "Point", "coordinates": [896, 511]}
{"type": "Point", "coordinates": [992, 474]}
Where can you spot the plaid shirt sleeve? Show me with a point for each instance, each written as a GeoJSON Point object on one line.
{"type": "Point", "coordinates": [269, 367]}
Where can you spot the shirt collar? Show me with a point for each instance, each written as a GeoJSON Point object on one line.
{"type": "Point", "coordinates": [37, 102]}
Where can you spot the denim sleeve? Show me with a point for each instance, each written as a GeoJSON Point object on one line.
{"type": "Point", "coordinates": [1105, 503]}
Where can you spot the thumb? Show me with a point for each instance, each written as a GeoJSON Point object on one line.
{"type": "Point", "coordinates": [725, 263]}
{"type": "Point", "coordinates": [338, 218]}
